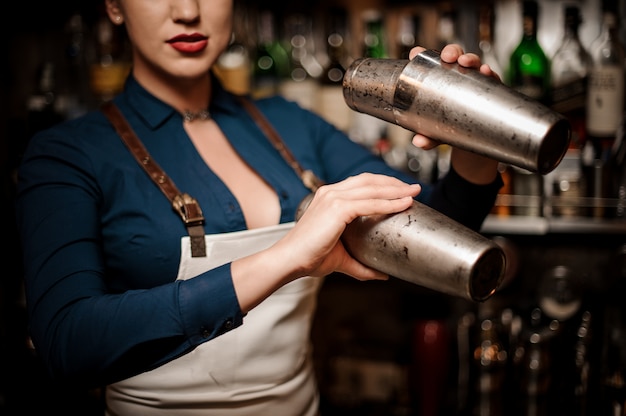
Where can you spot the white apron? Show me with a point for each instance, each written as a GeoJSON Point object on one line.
{"type": "Point", "coordinates": [261, 368]}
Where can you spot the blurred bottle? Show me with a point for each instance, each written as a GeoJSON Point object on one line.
{"type": "Point", "coordinates": [595, 168]}
{"type": "Point", "coordinates": [529, 192]}
{"type": "Point", "coordinates": [42, 105]}
{"type": "Point", "coordinates": [109, 72]}
{"type": "Point", "coordinates": [368, 130]}
{"type": "Point", "coordinates": [560, 295]}
{"type": "Point", "coordinates": [502, 207]}
{"type": "Point", "coordinates": [330, 103]}
{"type": "Point", "coordinates": [490, 361]}
{"type": "Point", "coordinates": [300, 85]}
{"type": "Point", "coordinates": [374, 40]}
{"type": "Point", "coordinates": [529, 68]}
{"type": "Point", "coordinates": [485, 38]}
{"type": "Point", "coordinates": [447, 26]}
{"type": "Point", "coordinates": [618, 171]}
{"type": "Point", "coordinates": [533, 365]}
{"type": "Point", "coordinates": [605, 102]}
{"type": "Point", "coordinates": [565, 186]}
{"type": "Point", "coordinates": [407, 37]}
{"type": "Point", "coordinates": [428, 370]}
{"type": "Point", "coordinates": [234, 66]}
{"type": "Point", "coordinates": [582, 364]}
{"type": "Point", "coordinates": [76, 91]}
{"type": "Point", "coordinates": [271, 65]}
{"type": "Point", "coordinates": [401, 153]}
{"type": "Point", "coordinates": [605, 107]}
{"type": "Point", "coordinates": [571, 65]}
{"type": "Point", "coordinates": [613, 363]}
{"type": "Point", "coordinates": [529, 73]}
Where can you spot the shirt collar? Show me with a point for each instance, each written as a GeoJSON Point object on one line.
{"type": "Point", "coordinates": [155, 112]}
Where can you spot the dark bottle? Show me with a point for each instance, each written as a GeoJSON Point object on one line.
{"type": "Point", "coordinates": [330, 103]}
{"type": "Point", "coordinates": [365, 129]}
{"type": "Point", "coordinates": [271, 64]}
{"type": "Point", "coordinates": [605, 100]}
{"type": "Point", "coordinates": [534, 365]}
{"type": "Point", "coordinates": [617, 167]}
{"type": "Point", "coordinates": [409, 26]}
{"type": "Point", "coordinates": [490, 361]}
{"type": "Point", "coordinates": [42, 105]}
{"type": "Point", "coordinates": [75, 85]}
{"type": "Point", "coordinates": [447, 26]}
{"type": "Point", "coordinates": [583, 364]}
{"type": "Point", "coordinates": [109, 72]}
{"type": "Point", "coordinates": [595, 167]}
{"type": "Point", "coordinates": [529, 67]}
{"type": "Point", "coordinates": [571, 65]}
{"type": "Point", "coordinates": [300, 84]}
{"type": "Point", "coordinates": [605, 107]}
{"type": "Point", "coordinates": [612, 366]}
{"type": "Point", "coordinates": [337, 55]}
{"type": "Point", "coordinates": [486, 21]}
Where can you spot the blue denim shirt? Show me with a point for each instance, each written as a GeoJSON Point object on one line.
{"type": "Point", "coordinates": [101, 243]}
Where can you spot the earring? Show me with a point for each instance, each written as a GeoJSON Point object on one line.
{"type": "Point", "coordinates": [118, 19]}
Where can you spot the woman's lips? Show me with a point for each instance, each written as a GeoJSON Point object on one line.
{"type": "Point", "coordinates": [188, 43]}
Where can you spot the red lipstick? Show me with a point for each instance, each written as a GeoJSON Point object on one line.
{"type": "Point", "coordinates": [189, 43]}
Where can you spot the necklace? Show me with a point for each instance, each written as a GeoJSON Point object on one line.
{"type": "Point", "coordinates": [190, 116]}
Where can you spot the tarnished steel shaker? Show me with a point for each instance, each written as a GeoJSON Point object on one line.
{"type": "Point", "coordinates": [423, 246]}
{"type": "Point", "coordinates": [460, 107]}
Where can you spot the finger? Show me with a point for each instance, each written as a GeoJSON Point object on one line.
{"type": "Point", "coordinates": [346, 205]}
{"type": "Point", "coordinates": [361, 272]}
{"type": "Point", "coordinates": [469, 60]}
{"type": "Point", "coordinates": [423, 142]}
{"type": "Point", "coordinates": [365, 194]}
{"type": "Point", "coordinates": [413, 52]}
{"type": "Point", "coordinates": [450, 53]}
{"type": "Point", "coordinates": [368, 185]}
{"type": "Point", "coordinates": [486, 70]}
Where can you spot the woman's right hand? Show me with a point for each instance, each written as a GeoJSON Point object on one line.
{"type": "Point", "coordinates": [315, 240]}
{"type": "Point", "coordinates": [313, 247]}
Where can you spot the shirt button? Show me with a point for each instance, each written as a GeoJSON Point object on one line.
{"type": "Point", "coordinates": [206, 333]}
{"type": "Point", "coordinates": [228, 324]}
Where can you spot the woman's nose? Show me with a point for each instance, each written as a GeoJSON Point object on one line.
{"type": "Point", "coordinates": [185, 10]}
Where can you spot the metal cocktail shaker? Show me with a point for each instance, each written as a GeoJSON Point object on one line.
{"type": "Point", "coordinates": [423, 246]}
{"type": "Point", "coordinates": [460, 107]}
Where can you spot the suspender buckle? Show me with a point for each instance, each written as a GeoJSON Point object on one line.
{"type": "Point", "coordinates": [188, 209]}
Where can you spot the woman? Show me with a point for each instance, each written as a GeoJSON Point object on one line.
{"type": "Point", "coordinates": [115, 297]}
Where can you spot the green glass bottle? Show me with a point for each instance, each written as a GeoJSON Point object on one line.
{"type": "Point", "coordinates": [529, 67]}
{"type": "Point", "coordinates": [374, 42]}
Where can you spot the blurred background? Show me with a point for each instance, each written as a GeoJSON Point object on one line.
{"type": "Point", "coordinates": [550, 341]}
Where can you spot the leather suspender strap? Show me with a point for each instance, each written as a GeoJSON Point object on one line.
{"type": "Point", "coordinates": [309, 179]}
{"type": "Point", "coordinates": [185, 205]}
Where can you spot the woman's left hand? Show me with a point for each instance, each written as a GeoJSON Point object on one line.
{"type": "Point", "coordinates": [473, 167]}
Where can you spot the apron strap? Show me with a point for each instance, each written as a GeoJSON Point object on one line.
{"type": "Point", "coordinates": [309, 179]}
{"type": "Point", "coordinates": [185, 205]}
